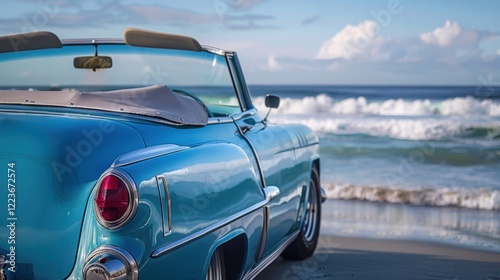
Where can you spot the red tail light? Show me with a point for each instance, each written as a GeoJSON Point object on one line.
{"type": "Point", "coordinates": [115, 200]}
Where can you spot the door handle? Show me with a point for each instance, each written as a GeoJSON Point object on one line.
{"type": "Point", "coordinates": [271, 192]}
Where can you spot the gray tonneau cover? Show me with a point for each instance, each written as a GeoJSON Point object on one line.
{"type": "Point", "coordinates": [155, 101]}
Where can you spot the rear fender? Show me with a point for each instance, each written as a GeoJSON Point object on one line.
{"type": "Point", "coordinates": [182, 193]}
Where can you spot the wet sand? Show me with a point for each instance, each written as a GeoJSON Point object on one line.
{"type": "Point", "coordinates": [363, 258]}
{"type": "Point", "coordinates": [367, 240]}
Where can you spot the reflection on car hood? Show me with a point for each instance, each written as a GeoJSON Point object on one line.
{"type": "Point", "coordinates": [153, 101]}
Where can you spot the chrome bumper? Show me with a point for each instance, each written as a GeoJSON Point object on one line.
{"type": "Point", "coordinates": [110, 263]}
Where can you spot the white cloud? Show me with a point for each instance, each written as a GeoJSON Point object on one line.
{"type": "Point", "coordinates": [273, 64]}
{"type": "Point", "coordinates": [361, 43]}
{"type": "Point", "coordinates": [445, 35]}
{"type": "Point", "coordinates": [447, 53]}
{"type": "Point", "coordinates": [351, 41]}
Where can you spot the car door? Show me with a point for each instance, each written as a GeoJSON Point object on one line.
{"type": "Point", "coordinates": [276, 158]}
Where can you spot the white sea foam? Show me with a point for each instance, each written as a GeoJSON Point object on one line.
{"type": "Point", "coordinates": [485, 199]}
{"type": "Point", "coordinates": [399, 119]}
{"type": "Point", "coordinates": [422, 128]}
{"type": "Point", "coordinates": [320, 104]}
{"type": "Point", "coordinates": [410, 129]}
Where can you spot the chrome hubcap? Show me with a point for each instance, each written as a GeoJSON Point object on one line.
{"type": "Point", "coordinates": [311, 218]}
{"type": "Point", "coordinates": [216, 266]}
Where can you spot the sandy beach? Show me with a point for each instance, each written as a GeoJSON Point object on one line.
{"type": "Point", "coordinates": [370, 240]}
{"type": "Point", "coordinates": [363, 258]}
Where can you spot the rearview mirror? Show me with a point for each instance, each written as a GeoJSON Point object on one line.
{"type": "Point", "coordinates": [93, 62]}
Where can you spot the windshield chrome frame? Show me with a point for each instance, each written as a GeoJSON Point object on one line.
{"type": "Point", "coordinates": [239, 84]}
{"type": "Point", "coordinates": [107, 41]}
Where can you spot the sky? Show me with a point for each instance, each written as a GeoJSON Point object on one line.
{"type": "Point", "coordinates": [344, 42]}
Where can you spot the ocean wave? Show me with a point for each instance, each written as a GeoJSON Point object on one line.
{"type": "Point", "coordinates": [484, 199]}
{"type": "Point", "coordinates": [400, 128]}
{"type": "Point", "coordinates": [325, 104]}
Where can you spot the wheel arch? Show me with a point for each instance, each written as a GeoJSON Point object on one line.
{"type": "Point", "coordinates": [307, 240]}
{"type": "Point", "coordinates": [234, 246]}
{"type": "Point", "coordinates": [316, 163]}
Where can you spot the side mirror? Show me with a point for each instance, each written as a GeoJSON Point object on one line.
{"type": "Point", "coordinates": [271, 102]}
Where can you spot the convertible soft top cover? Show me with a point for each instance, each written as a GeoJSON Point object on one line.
{"type": "Point", "coordinates": [155, 101]}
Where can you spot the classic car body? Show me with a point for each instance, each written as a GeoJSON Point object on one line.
{"type": "Point", "coordinates": [122, 165]}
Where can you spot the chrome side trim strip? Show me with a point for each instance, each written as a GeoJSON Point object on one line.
{"type": "Point", "coordinates": [244, 114]}
{"type": "Point", "coordinates": [254, 151]}
{"type": "Point", "coordinates": [190, 238]}
{"type": "Point", "coordinates": [270, 192]}
{"type": "Point", "coordinates": [235, 117]}
{"type": "Point", "coordinates": [265, 232]}
{"type": "Point", "coordinates": [219, 120]}
{"type": "Point", "coordinates": [80, 112]}
{"type": "Point", "coordinates": [147, 153]}
{"type": "Point", "coordinates": [166, 205]}
{"type": "Point", "coordinates": [269, 259]}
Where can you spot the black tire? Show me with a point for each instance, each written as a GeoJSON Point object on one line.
{"type": "Point", "coordinates": [216, 269]}
{"type": "Point", "coordinates": [306, 242]}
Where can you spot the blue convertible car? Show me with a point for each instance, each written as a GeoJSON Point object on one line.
{"type": "Point", "coordinates": [144, 158]}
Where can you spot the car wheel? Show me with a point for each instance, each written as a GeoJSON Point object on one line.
{"type": "Point", "coordinates": [307, 240]}
{"type": "Point", "coordinates": [216, 267]}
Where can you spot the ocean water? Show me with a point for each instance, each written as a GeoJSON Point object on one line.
{"type": "Point", "coordinates": [435, 146]}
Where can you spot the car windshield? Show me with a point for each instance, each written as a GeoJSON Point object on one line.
{"type": "Point", "coordinates": [202, 75]}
